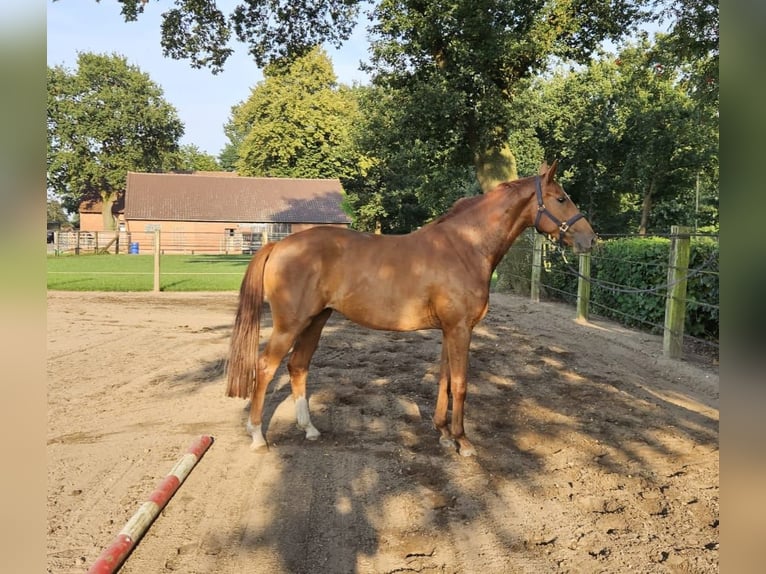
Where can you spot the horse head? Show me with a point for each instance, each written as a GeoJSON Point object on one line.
{"type": "Point", "coordinates": [557, 215]}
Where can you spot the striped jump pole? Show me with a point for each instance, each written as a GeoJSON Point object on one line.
{"type": "Point", "coordinates": [113, 556]}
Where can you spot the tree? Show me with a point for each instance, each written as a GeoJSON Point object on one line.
{"type": "Point", "coordinates": [668, 143]}
{"type": "Point", "coordinates": [272, 29]}
{"type": "Point", "coordinates": [403, 179]}
{"type": "Point", "coordinates": [578, 122]}
{"type": "Point", "coordinates": [227, 158]}
{"type": "Point", "coordinates": [190, 158]}
{"type": "Point", "coordinates": [105, 119]}
{"type": "Point", "coordinates": [466, 57]}
{"type": "Point", "coordinates": [693, 43]}
{"type": "Point", "coordinates": [637, 141]}
{"type": "Point", "coordinates": [474, 56]}
{"type": "Point", "coordinates": [56, 213]}
{"type": "Point", "coordinates": [296, 123]}
{"type": "Point", "coordinates": [456, 70]}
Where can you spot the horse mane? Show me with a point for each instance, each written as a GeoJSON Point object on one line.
{"type": "Point", "coordinates": [465, 203]}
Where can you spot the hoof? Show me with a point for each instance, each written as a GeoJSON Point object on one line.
{"type": "Point", "coordinates": [312, 433]}
{"type": "Point", "coordinates": [259, 443]}
{"type": "Point", "coordinates": [465, 448]}
{"type": "Point", "coordinates": [448, 442]}
{"type": "Point", "coordinates": [259, 448]}
{"type": "Point", "coordinates": [466, 451]}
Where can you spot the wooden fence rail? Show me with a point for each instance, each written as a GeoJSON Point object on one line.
{"type": "Point", "coordinates": [168, 242]}
{"type": "Point", "coordinates": [675, 299]}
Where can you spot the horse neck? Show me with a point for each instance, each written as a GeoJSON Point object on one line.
{"type": "Point", "coordinates": [491, 225]}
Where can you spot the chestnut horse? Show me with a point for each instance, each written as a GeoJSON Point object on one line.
{"type": "Point", "coordinates": [434, 278]}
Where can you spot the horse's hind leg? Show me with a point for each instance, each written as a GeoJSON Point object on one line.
{"type": "Point", "coordinates": [276, 349]}
{"type": "Point", "coordinates": [298, 367]}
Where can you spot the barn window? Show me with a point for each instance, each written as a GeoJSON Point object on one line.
{"type": "Point", "coordinates": [280, 229]}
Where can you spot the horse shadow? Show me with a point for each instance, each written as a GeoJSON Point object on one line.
{"type": "Point", "coordinates": [377, 491]}
{"type": "Point", "coordinates": [378, 476]}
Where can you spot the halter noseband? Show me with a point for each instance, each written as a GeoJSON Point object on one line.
{"type": "Point", "coordinates": [542, 210]}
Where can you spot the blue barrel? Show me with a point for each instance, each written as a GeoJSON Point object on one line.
{"type": "Point", "coordinates": [133, 248]}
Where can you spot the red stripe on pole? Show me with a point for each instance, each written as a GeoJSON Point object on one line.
{"type": "Point", "coordinates": [200, 446]}
{"type": "Point", "coordinates": [113, 556]}
{"type": "Point", "coordinates": [165, 490]}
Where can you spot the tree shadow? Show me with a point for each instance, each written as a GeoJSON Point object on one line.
{"type": "Point", "coordinates": [378, 477]}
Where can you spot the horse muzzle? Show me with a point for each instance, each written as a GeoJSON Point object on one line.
{"type": "Point", "coordinates": [583, 241]}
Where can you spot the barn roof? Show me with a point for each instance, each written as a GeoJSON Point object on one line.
{"type": "Point", "coordinates": [216, 197]}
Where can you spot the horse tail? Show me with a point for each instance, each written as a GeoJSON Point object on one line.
{"type": "Point", "coordinates": [245, 337]}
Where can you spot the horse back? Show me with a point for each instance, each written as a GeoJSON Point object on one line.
{"type": "Point", "coordinates": [391, 282]}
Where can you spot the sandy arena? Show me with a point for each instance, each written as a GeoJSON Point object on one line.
{"type": "Point", "coordinates": [594, 454]}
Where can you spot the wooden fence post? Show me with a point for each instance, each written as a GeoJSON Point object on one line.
{"type": "Point", "coordinates": [156, 260]}
{"type": "Point", "coordinates": [675, 300]}
{"type": "Point", "coordinates": [583, 288]}
{"type": "Point", "coordinates": [537, 266]}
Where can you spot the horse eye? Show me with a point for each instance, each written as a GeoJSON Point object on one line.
{"type": "Point", "coordinates": [561, 199]}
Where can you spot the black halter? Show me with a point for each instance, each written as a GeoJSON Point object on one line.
{"type": "Point", "coordinates": [542, 210]}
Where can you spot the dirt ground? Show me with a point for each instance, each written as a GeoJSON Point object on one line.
{"type": "Point", "coordinates": [594, 454]}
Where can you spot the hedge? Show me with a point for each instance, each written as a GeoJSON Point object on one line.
{"type": "Point", "coordinates": [632, 263]}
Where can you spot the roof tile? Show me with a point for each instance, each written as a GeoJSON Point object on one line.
{"type": "Point", "coordinates": [196, 197]}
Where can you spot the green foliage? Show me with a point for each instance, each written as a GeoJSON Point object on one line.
{"type": "Point", "coordinates": [637, 132]}
{"type": "Point", "coordinates": [514, 272]}
{"type": "Point", "coordinates": [56, 213]}
{"type": "Point", "coordinates": [227, 159]}
{"type": "Point", "coordinates": [460, 65]}
{"type": "Point", "coordinates": [404, 177]}
{"type": "Point", "coordinates": [525, 123]}
{"type": "Point", "coordinates": [449, 98]}
{"type": "Point", "coordinates": [693, 39]}
{"type": "Point", "coordinates": [640, 146]}
{"type": "Point", "coordinates": [457, 67]}
{"type": "Point", "coordinates": [703, 289]}
{"type": "Point", "coordinates": [105, 119]}
{"type": "Point", "coordinates": [272, 29]}
{"type": "Point", "coordinates": [642, 263]}
{"type": "Point", "coordinates": [296, 123]}
{"type": "Point", "coordinates": [190, 158]}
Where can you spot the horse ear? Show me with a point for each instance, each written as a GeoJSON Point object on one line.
{"type": "Point", "coordinates": [543, 168]}
{"type": "Point", "coordinates": [551, 171]}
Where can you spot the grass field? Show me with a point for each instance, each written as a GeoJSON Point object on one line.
{"type": "Point", "coordinates": [135, 272]}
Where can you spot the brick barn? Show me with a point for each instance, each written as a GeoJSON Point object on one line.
{"type": "Point", "coordinates": [219, 212]}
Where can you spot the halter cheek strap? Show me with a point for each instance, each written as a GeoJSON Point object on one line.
{"type": "Point", "coordinates": [542, 210]}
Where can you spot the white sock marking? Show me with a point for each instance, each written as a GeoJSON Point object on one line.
{"type": "Point", "coordinates": [303, 418]}
{"type": "Point", "coordinates": [257, 434]}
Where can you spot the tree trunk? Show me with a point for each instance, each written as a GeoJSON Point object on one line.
{"type": "Point", "coordinates": [494, 166]}
{"type": "Point", "coordinates": [107, 202]}
{"type": "Point", "coordinates": [646, 209]}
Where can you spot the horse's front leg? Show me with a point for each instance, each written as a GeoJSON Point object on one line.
{"type": "Point", "coordinates": [442, 401]}
{"type": "Point", "coordinates": [457, 341]}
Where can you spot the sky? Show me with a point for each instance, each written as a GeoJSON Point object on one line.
{"type": "Point", "coordinates": [203, 99]}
